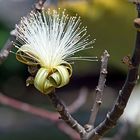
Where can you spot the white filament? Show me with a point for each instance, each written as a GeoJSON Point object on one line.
{"type": "Point", "coordinates": [54, 37]}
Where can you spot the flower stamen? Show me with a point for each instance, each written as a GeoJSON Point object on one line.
{"type": "Point", "coordinates": [50, 39]}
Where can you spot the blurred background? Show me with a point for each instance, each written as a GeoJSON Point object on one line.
{"type": "Point", "coordinates": [111, 23]}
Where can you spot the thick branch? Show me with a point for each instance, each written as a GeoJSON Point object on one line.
{"type": "Point", "coordinates": [124, 94]}
{"type": "Point", "coordinates": [99, 89]}
{"type": "Point", "coordinates": [65, 114]}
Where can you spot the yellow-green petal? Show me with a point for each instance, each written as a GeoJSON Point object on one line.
{"type": "Point", "coordinates": [64, 75]}
{"type": "Point", "coordinates": [55, 79]}
{"type": "Point", "coordinates": [40, 79]}
{"type": "Point", "coordinates": [27, 55]}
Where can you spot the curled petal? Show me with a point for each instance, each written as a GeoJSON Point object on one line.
{"type": "Point", "coordinates": [46, 80]}
{"type": "Point", "coordinates": [40, 79]}
{"type": "Point", "coordinates": [55, 79]}
{"type": "Point", "coordinates": [63, 74]}
{"type": "Point", "coordinates": [26, 56]}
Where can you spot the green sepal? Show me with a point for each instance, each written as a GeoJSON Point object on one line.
{"type": "Point", "coordinates": [40, 79]}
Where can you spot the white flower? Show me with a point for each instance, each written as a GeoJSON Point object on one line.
{"type": "Point", "coordinates": [51, 38]}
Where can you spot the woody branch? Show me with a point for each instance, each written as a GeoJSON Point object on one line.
{"type": "Point", "coordinates": [117, 110]}
{"type": "Point", "coordinates": [120, 104]}
{"type": "Point", "coordinates": [66, 116]}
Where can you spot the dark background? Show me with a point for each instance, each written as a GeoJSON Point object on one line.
{"type": "Point", "coordinates": [110, 22]}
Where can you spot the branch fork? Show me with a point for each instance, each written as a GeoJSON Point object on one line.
{"type": "Point", "coordinates": [89, 131]}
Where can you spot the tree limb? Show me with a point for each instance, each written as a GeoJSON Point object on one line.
{"type": "Point", "coordinates": [99, 89]}
{"type": "Point", "coordinates": [65, 115]}
{"type": "Point", "coordinates": [124, 94]}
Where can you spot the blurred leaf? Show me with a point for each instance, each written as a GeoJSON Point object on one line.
{"type": "Point", "coordinates": [111, 23]}
{"type": "Point", "coordinates": [4, 33]}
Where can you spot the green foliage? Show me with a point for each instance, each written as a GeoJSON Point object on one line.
{"type": "Point", "coordinates": [110, 22]}
{"type": "Point", "coordinates": [10, 67]}
{"type": "Point", "coordinates": [112, 26]}
{"type": "Point", "coordinates": [4, 33]}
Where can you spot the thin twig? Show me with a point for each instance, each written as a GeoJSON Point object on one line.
{"type": "Point", "coordinates": [4, 53]}
{"type": "Point", "coordinates": [65, 115]}
{"type": "Point", "coordinates": [99, 89]}
{"type": "Point", "coordinates": [124, 94]}
{"type": "Point", "coordinates": [39, 4]}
